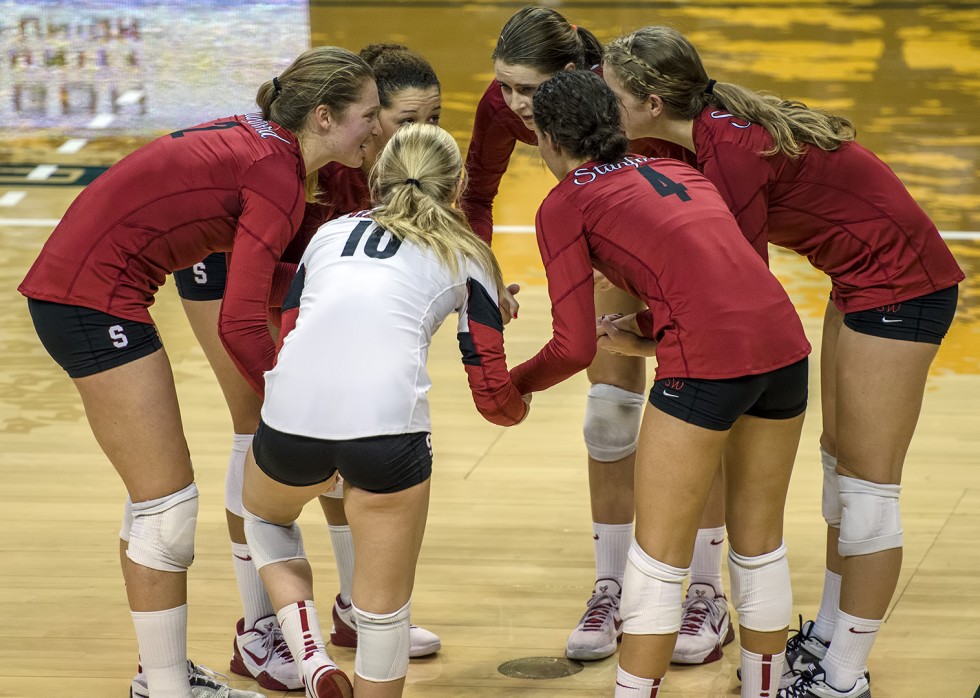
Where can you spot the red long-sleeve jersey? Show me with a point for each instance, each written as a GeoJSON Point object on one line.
{"type": "Point", "coordinates": [659, 230]}
{"type": "Point", "coordinates": [496, 130]}
{"type": "Point", "coordinates": [229, 185]}
{"type": "Point", "coordinates": [845, 210]}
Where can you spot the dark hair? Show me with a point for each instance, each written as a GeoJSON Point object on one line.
{"type": "Point", "coordinates": [580, 113]}
{"type": "Point", "coordinates": [397, 68]}
{"type": "Point", "coordinates": [541, 38]}
{"type": "Point", "coordinates": [661, 61]}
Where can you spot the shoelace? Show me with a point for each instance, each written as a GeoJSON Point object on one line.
{"type": "Point", "coordinates": [597, 611]}
{"type": "Point", "coordinates": [696, 612]}
{"type": "Point", "coordinates": [795, 641]}
{"type": "Point", "coordinates": [801, 687]}
{"type": "Point", "coordinates": [205, 676]}
{"type": "Point", "coordinates": [275, 644]}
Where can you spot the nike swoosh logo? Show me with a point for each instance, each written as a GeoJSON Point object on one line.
{"type": "Point", "coordinates": [595, 536]}
{"type": "Point", "coordinates": [862, 632]}
{"type": "Point", "coordinates": [247, 558]}
{"type": "Point", "coordinates": [258, 660]}
{"type": "Point", "coordinates": [670, 394]}
{"type": "Point", "coordinates": [884, 319]}
{"type": "Point", "coordinates": [718, 542]}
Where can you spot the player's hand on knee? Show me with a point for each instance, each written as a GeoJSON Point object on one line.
{"type": "Point", "coordinates": [621, 335]}
{"type": "Point", "coordinates": [508, 303]}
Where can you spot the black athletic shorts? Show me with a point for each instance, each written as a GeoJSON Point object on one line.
{"type": "Point", "coordinates": [85, 341]}
{"type": "Point", "coordinates": [205, 281]}
{"type": "Point", "coordinates": [923, 319]}
{"type": "Point", "coordinates": [716, 404]}
{"type": "Point", "coordinates": [382, 464]}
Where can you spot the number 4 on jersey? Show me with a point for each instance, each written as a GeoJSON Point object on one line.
{"type": "Point", "coordinates": [664, 185]}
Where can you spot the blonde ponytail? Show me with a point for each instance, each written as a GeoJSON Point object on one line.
{"type": "Point", "coordinates": [661, 61]}
{"type": "Point", "coordinates": [415, 182]}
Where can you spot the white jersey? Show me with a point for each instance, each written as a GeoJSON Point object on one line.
{"type": "Point", "coordinates": [354, 365]}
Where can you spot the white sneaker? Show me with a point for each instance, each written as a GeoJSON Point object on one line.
{"type": "Point", "coordinates": [813, 684]}
{"type": "Point", "coordinates": [705, 627]}
{"type": "Point", "coordinates": [262, 654]}
{"type": "Point", "coordinates": [204, 682]}
{"type": "Point", "coordinates": [422, 642]}
{"type": "Point", "coordinates": [600, 627]}
{"type": "Point", "coordinates": [803, 649]}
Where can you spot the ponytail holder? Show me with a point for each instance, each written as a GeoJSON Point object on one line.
{"type": "Point", "coordinates": [414, 182]}
{"type": "Point", "coordinates": [276, 86]}
{"type": "Point", "coordinates": [709, 90]}
{"type": "Point", "coordinates": [575, 28]}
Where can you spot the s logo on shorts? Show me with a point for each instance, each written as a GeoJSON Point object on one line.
{"type": "Point", "coordinates": [118, 337]}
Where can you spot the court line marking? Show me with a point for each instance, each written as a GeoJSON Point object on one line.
{"type": "Point", "coordinates": [497, 229]}
{"type": "Point", "coordinates": [72, 145]}
{"type": "Point", "coordinates": [42, 172]}
{"type": "Point", "coordinates": [12, 198]}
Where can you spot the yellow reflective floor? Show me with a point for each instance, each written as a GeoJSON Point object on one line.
{"type": "Point", "coordinates": [507, 562]}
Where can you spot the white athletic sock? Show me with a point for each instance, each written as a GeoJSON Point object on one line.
{"type": "Point", "coordinates": [847, 657]}
{"type": "Point", "coordinates": [162, 638]}
{"type": "Point", "coordinates": [255, 600]}
{"type": "Point", "coordinates": [343, 551]}
{"type": "Point", "coordinates": [612, 543]}
{"type": "Point", "coordinates": [629, 686]}
{"type": "Point", "coordinates": [301, 630]}
{"type": "Point", "coordinates": [760, 674]}
{"type": "Point", "coordinates": [706, 563]}
{"type": "Point", "coordinates": [823, 626]}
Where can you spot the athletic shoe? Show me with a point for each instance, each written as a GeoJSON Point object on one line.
{"type": "Point", "coordinates": [262, 654]}
{"type": "Point", "coordinates": [600, 627]}
{"type": "Point", "coordinates": [327, 681]}
{"type": "Point", "coordinates": [705, 627]}
{"type": "Point", "coordinates": [803, 649]}
{"type": "Point", "coordinates": [422, 642]}
{"type": "Point", "coordinates": [813, 684]}
{"type": "Point", "coordinates": [205, 683]}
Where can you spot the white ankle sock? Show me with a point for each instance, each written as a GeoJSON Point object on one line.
{"type": "Point", "coordinates": [612, 543]}
{"type": "Point", "coordinates": [706, 563]}
{"type": "Point", "coordinates": [162, 637]}
{"type": "Point", "coordinates": [847, 657]}
{"type": "Point", "coordinates": [301, 630]}
{"type": "Point", "coordinates": [255, 600]}
{"type": "Point", "coordinates": [343, 551]}
{"type": "Point", "coordinates": [760, 674]}
{"type": "Point", "coordinates": [823, 626]}
{"type": "Point", "coordinates": [629, 686]}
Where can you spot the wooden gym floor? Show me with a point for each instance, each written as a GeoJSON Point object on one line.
{"type": "Point", "coordinates": [507, 562]}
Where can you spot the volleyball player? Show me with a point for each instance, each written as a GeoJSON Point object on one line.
{"type": "Point", "coordinates": [234, 184]}
{"type": "Point", "coordinates": [348, 393]}
{"type": "Point", "coordinates": [409, 92]}
{"type": "Point", "coordinates": [795, 177]}
{"type": "Point", "coordinates": [536, 43]}
{"type": "Point", "coordinates": [731, 370]}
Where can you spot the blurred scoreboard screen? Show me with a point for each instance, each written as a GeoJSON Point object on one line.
{"type": "Point", "coordinates": [141, 66]}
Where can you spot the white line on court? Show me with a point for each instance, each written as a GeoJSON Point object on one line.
{"type": "Point", "coordinates": [101, 121]}
{"type": "Point", "coordinates": [72, 145]}
{"type": "Point", "coordinates": [12, 198]}
{"type": "Point", "coordinates": [42, 172]}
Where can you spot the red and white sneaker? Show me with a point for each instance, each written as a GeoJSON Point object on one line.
{"type": "Point", "coordinates": [262, 654]}
{"type": "Point", "coordinates": [705, 627]}
{"type": "Point", "coordinates": [344, 632]}
{"type": "Point", "coordinates": [600, 627]}
{"type": "Point", "coordinates": [327, 681]}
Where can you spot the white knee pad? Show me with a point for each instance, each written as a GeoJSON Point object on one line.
{"type": "Point", "coordinates": [236, 473]}
{"type": "Point", "coordinates": [162, 533]}
{"type": "Point", "coordinates": [761, 590]}
{"type": "Point", "coordinates": [127, 520]}
{"type": "Point", "coordinates": [830, 503]}
{"type": "Point", "coordinates": [269, 542]}
{"type": "Point", "coordinates": [651, 603]}
{"type": "Point", "coordinates": [870, 521]}
{"type": "Point", "coordinates": [338, 491]}
{"type": "Point", "coordinates": [612, 422]}
{"type": "Point", "coordinates": [382, 644]}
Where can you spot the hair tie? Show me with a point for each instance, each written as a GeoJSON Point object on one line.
{"type": "Point", "coordinates": [575, 28]}
{"type": "Point", "coordinates": [709, 90]}
{"type": "Point", "coordinates": [414, 182]}
{"type": "Point", "coordinates": [276, 86]}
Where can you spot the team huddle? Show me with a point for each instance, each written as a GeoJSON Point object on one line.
{"type": "Point", "coordinates": [344, 192]}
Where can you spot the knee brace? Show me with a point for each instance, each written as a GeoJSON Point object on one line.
{"type": "Point", "coordinates": [830, 502]}
{"type": "Point", "coordinates": [269, 542]}
{"type": "Point", "coordinates": [651, 603]}
{"type": "Point", "coordinates": [236, 473]}
{"type": "Point", "coordinates": [382, 644]}
{"type": "Point", "coordinates": [870, 521]}
{"type": "Point", "coordinates": [612, 422]}
{"type": "Point", "coordinates": [127, 520]}
{"type": "Point", "coordinates": [761, 590]}
{"type": "Point", "coordinates": [338, 491]}
{"type": "Point", "coordinates": [162, 533]}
